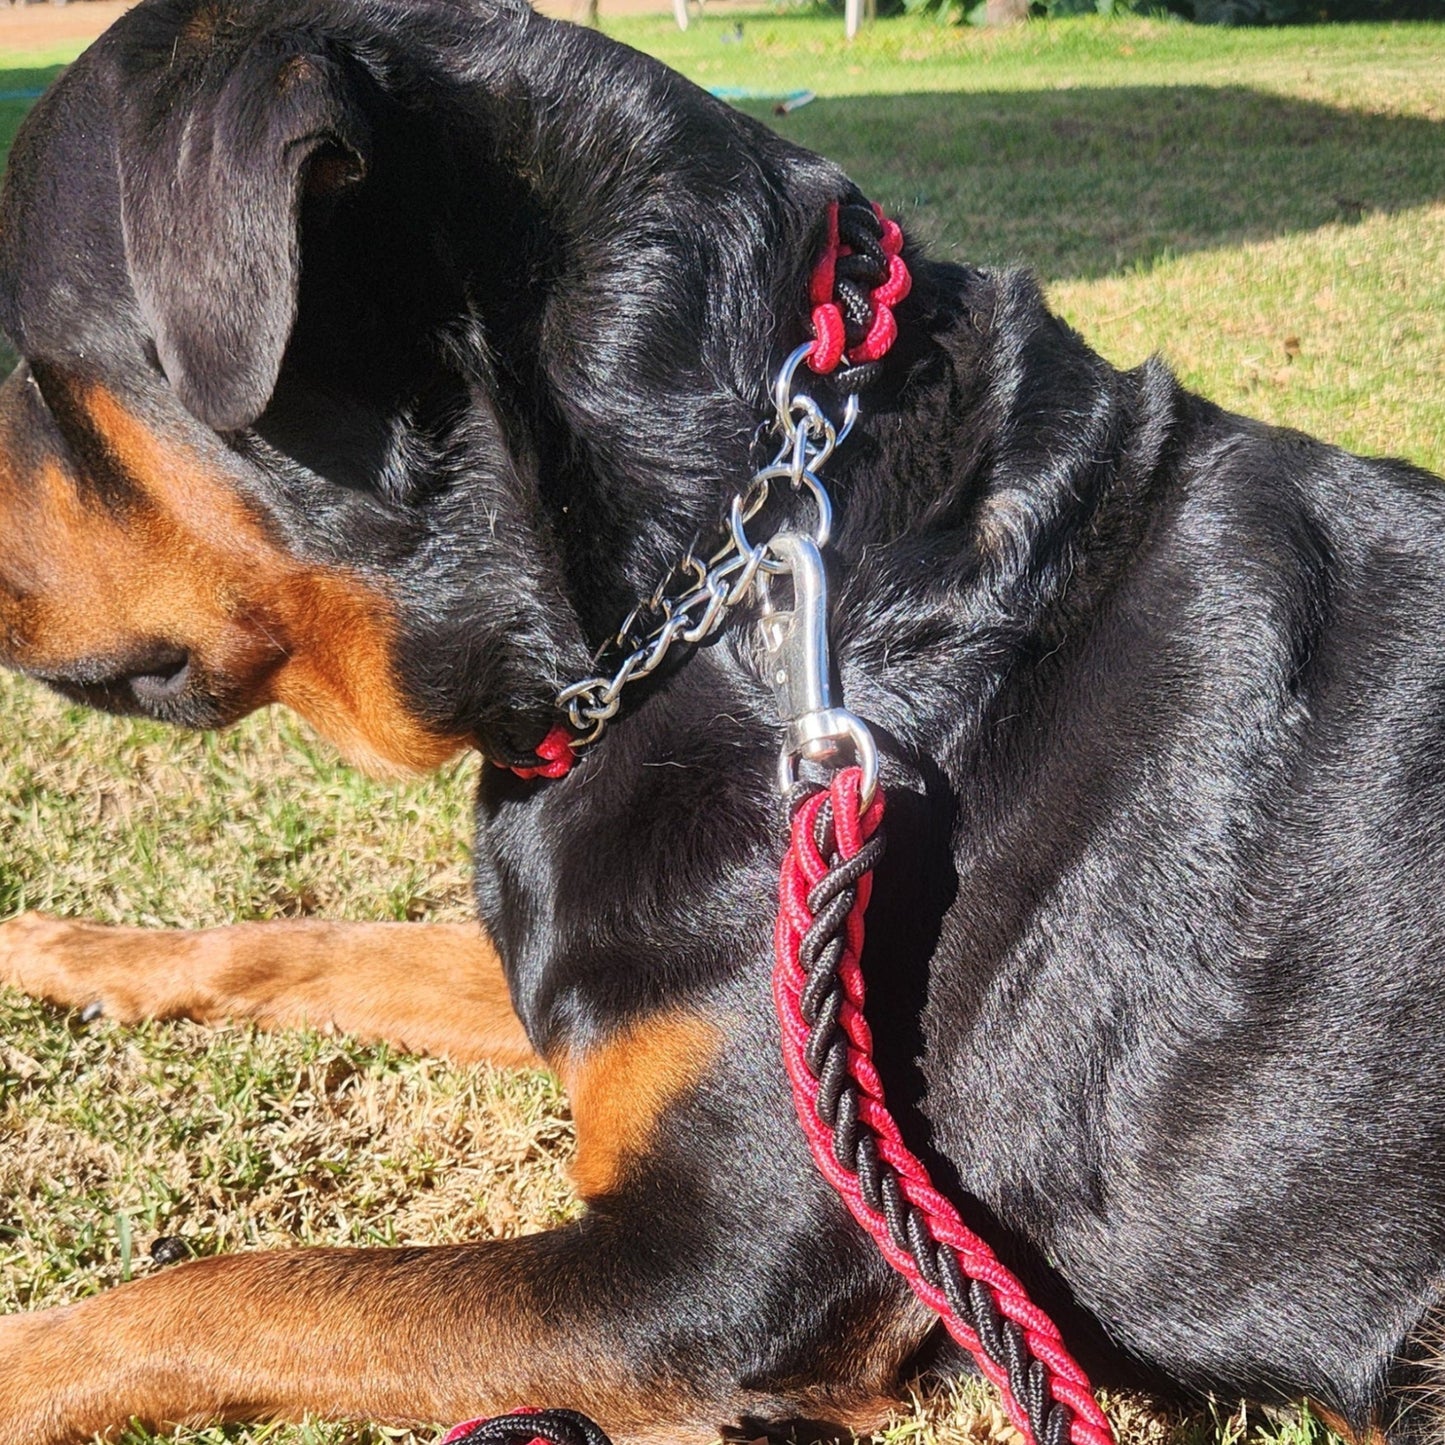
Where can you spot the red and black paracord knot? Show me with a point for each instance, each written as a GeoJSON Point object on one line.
{"type": "Point", "coordinates": [555, 757]}
{"type": "Point", "coordinates": [530, 1427]}
{"type": "Point", "coordinates": [859, 279]}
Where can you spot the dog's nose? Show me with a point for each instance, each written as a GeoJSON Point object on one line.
{"type": "Point", "coordinates": [155, 673]}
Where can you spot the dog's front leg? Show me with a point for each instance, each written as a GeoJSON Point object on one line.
{"type": "Point", "coordinates": [432, 988]}
{"type": "Point", "coordinates": [403, 1337]}
{"type": "Point", "coordinates": [616, 1315]}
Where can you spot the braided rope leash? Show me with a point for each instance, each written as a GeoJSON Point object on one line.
{"type": "Point", "coordinates": [529, 1427]}
{"type": "Point", "coordinates": [823, 891]}
{"type": "Point", "coordinates": [836, 840]}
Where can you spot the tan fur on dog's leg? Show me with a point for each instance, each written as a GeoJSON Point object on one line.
{"type": "Point", "coordinates": [430, 988]}
{"type": "Point", "coordinates": [404, 1337]}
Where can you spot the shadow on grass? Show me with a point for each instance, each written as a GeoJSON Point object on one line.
{"type": "Point", "coordinates": [1083, 183]}
{"type": "Point", "coordinates": [1080, 183]}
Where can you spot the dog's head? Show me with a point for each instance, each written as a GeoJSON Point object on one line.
{"type": "Point", "coordinates": [374, 357]}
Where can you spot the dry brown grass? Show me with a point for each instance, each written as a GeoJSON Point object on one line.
{"type": "Point", "coordinates": [231, 1138]}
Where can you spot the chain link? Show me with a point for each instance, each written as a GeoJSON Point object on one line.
{"type": "Point", "coordinates": [693, 600]}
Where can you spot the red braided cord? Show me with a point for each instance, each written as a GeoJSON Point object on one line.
{"type": "Point", "coordinates": [803, 868]}
{"type": "Point", "coordinates": [892, 233]}
{"type": "Point", "coordinates": [828, 326]}
{"type": "Point", "coordinates": [557, 754]}
{"type": "Point", "coordinates": [828, 338]}
{"type": "Point", "coordinates": [820, 291]}
{"type": "Point", "coordinates": [881, 335]}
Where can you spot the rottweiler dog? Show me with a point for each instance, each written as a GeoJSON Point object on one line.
{"type": "Point", "coordinates": [378, 357]}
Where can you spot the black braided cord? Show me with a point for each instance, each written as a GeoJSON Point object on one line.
{"type": "Point", "coordinates": [826, 1055]}
{"type": "Point", "coordinates": [855, 278]}
{"type": "Point", "coordinates": [557, 1427]}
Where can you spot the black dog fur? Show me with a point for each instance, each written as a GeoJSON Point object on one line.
{"type": "Point", "coordinates": [484, 307]}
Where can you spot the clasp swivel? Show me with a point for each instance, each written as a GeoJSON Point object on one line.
{"type": "Point", "coordinates": [795, 662]}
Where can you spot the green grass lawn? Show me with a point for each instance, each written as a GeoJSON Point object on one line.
{"type": "Point", "coordinates": [1264, 208]}
{"type": "Point", "coordinates": [1267, 209]}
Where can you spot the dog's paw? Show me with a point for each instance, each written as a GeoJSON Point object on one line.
{"type": "Point", "coordinates": [76, 965]}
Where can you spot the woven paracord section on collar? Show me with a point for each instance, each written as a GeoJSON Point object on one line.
{"type": "Point", "coordinates": [858, 280]}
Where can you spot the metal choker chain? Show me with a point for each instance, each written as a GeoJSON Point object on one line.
{"type": "Point", "coordinates": [695, 598]}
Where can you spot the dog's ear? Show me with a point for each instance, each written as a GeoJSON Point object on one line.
{"type": "Point", "coordinates": [211, 197]}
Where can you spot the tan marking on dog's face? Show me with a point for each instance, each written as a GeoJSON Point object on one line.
{"type": "Point", "coordinates": [185, 561]}
{"type": "Point", "coordinates": [620, 1091]}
